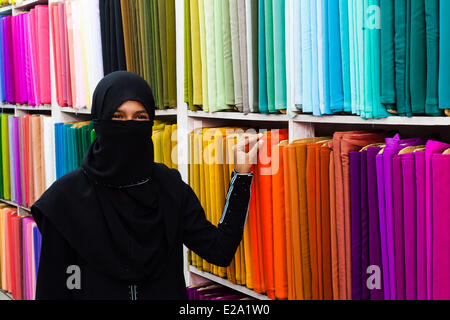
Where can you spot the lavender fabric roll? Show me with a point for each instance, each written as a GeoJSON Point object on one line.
{"type": "Point", "coordinates": [399, 243]}
{"type": "Point", "coordinates": [374, 224]}
{"type": "Point", "coordinates": [441, 227]}
{"type": "Point", "coordinates": [421, 230]}
{"type": "Point", "coordinates": [355, 198]}
{"type": "Point", "coordinates": [410, 224]}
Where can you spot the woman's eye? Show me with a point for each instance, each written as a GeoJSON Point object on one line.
{"type": "Point", "coordinates": [143, 117]}
{"type": "Point", "coordinates": [117, 116]}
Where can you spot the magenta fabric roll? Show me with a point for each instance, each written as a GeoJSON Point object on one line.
{"type": "Point", "coordinates": [382, 221]}
{"type": "Point", "coordinates": [8, 56]}
{"type": "Point", "coordinates": [410, 224]}
{"type": "Point", "coordinates": [22, 89]}
{"type": "Point", "coordinates": [44, 53]}
{"type": "Point", "coordinates": [432, 147]}
{"type": "Point", "coordinates": [393, 146]}
{"type": "Point", "coordinates": [35, 56]}
{"type": "Point", "coordinates": [399, 242]}
{"type": "Point", "coordinates": [441, 226]}
{"type": "Point", "coordinates": [374, 224]}
{"type": "Point", "coordinates": [421, 226]}
{"type": "Point", "coordinates": [364, 226]}
{"type": "Point", "coordinates": [28, 71]}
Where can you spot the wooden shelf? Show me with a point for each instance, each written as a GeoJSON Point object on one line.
{"type": "Point", "coordinates": [391, 121]}
{"type": "Point", "coordinates": [6, 9]}
{"type": "Point", "coordinates": [228, 284]}
{"type": "Point", "coordinates": [75, 111]}
{"type": "Point", "coordinates": [239, 116]}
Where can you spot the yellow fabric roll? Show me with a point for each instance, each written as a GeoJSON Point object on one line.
{"type": "Point", "coordinates": [174, 144]}
{"type": "Point", "coordinates": [167, 146]}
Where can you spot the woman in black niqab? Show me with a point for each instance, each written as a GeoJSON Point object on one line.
{"type": "Point", "coordinates": [122, 219]}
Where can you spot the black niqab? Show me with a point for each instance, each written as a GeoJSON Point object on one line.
{"type": "Point", "coordinates": [109, 210]}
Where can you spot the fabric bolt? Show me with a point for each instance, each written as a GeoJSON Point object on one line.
{"type": "Point", "coordinates": [441, 239]}
{"type": "Point", "coordinates": [262, 59]}
{"type": "Point", "coordinates": [220, 67]}
{"type": "Point", "coordinates": [355, 190]}
{"type": "Point", "coordinates": [432, 147]}
{"type": "Point", "coordinates": [399, 243]}
{"type": "Point", "coordinates": [418, 75]}
{"type": "Point", "coordinates": [375, 258]}
{"type": "Point", "coordinates": [270, 62]}
{"type": "Point", "coordinates": [279, 52]}
{"type": "Point", "coordinates": [335, 77]}
{"type": "Point", "coordinates": [306, 38]}
{"type": "Point", "coordinates": [242, 18]}
{"type": "Point", "coordinates": [228, 54]}
{"type": "Point", "coordinates": [432, 36]}
{"type": "Point", "coordinates": [410, 224]}
{"type": "Point", "coordinates": [393, 146]}
{"type": "Point", "coordinates": [388, 68]}
{"type": "Point", "coordinates": [237, 74]}
{"type": "Point", "coordinates": [444, 50]}
{"type": "Point", "coordinates": [196, 53]}
{"type": "Point", "coordinates": [421, 225]}
{"type": "Point", "coordinates": [297, 47]}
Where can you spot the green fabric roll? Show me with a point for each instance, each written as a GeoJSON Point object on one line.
{"type": "Point", "coordinates": [171, 53]}
{"type": "Point", "coordinates": [188, 83]}
{"type": "Point", "coordinates": [228, 54]}
{"type": "Point", "coordinates": [211, 55]}
{"type": "Point", "coordinates": [418, 75]}
{"type": "Point", "coordinates": [157, 48]}
{"type": "Point", "coordinates": [219, 56]}
{"type": "Point", "coordinates": [149, 43]}
{"type": "Point", "coordinates": [163, 44]}
{"type": "Point", "coordinates": [279, 43]}
{"type": "Point", "coordinates": [268, 8]}
{"type": "Point", "coordinates": [388, 94]}
{"type": "Point", "coordinates": [255, 54]}
{"type": "Point", "coordinates": [139, 24]}
{"type": "Point", "coordinates": [236, 49]}
{"type": "Point", "coordinates": [201, 8]}
{"type": "Point", "coordinates": [432, 36]}
{"type": "Point", "coordinates": [402, 56]}
{"type": "Point", "coordinates": [5, 158]}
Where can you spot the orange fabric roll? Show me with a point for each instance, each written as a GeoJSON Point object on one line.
{"type": "Point", "coordinates": [279, 226]}
{"type": "Point", "coordinates": [318, 198]}
{"type": "Point", "coordinates": [312, 219]}
{"type": "Point", "coordinates": [333, 231]}
{"type": "Point", "coordinates": [288, 223]}
{"type": "Point", "coordinates": [254, 217]}
{"type": "Point", "coordinates": [343, 143]}
{"type": "Point", "coordinates": [265, 192]}
{"type": "Point", "coordinates": [325, 213]}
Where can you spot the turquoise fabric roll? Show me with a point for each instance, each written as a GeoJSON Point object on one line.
{"type": "Point", "coordinates": [388, 94]}
{"type": "Point", "coordinates": [432, 36]}
{"type": "Point", "coordinates": [268, 14]}
{"type": "Point", "coordinates": [335, 74]}
{"type": "Point", "coordinates": [279, 52]}
{"type": "Point", "coordinates": [345, 54]}
{"type": "Point", "coordinates": [263, 102]}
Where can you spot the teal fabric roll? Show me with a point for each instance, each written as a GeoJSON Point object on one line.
{"type": "Point", "coordinates": [279, 50]}
{"type": "Point", "coordinates": [444, 61]}
{"type": "Point", "coordinates": [418, 76]}
{"type": "Point", "coordinates": [268, 14]}
{"type": "Point", "coordinates": [402, 56]}
{"type": "Point", "coordinates": [263, 102]}
{"type": "Point", "coordinates": [432, 36]}
{"type": "Point", "coordinates": [388, 94]}
{"type": "Point", "coordinates": [335, 60]}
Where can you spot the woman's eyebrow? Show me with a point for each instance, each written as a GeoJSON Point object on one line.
{"type": "Point", "coordinates": [142, 111]}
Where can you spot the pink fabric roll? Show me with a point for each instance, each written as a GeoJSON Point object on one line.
{"type": "Point", "coordinates": [421, 226]}
{"type": "Point", "coordinates": [432, 147]}
{"type": "Point", "coordinates": [44, 53]}
{"type": "Point", "coordinates": [34, 57]}
{"type": "Point", "coordinates": [441, 226]}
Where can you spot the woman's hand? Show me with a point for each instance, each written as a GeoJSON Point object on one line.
{"type": "Point", "coordinates": [246, 152]}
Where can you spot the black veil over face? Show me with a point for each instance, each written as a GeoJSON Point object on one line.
{"type": "Point", "coordinates": [122, 155]}
{"type": "Point", "coordinates": [109, 210]}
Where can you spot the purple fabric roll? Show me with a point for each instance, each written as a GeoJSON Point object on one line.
{"type": "Point", "coordinates": [410, 224]}
{"type": "Point", "coordinates": [355, 202]}
{"type": "Point", "coordinates": [382, 221]}
{"type": "Point", "coordinates": [393, 146]}
{"type": "Point", "coordinates": [432, 148]}
{"type": "Point", "coordinates": [421, 223]}
{"type": "Point", "coordinates": [399, 242]}
{"type": "Point", "coordinates": [441, 227]}
{"type": "Point", "coordinates": [364, 227]}
{"type": "Point", "coordinates": [374, 225]}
